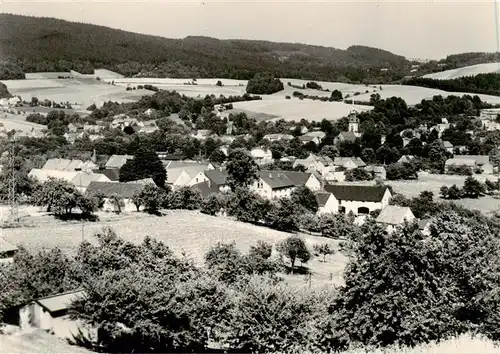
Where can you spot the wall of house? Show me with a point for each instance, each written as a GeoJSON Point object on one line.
{"type": "Point", "coordinates": [487, 168]}
{"type": "Point", "coordinates": [199, 178]}
{"type": "Point", "coordinates": [129, 206]}
{"type": "Point", "coordinates": [183, 180]}
{"type": "Point", "coordinates": [267, 192]}
{"type": "Point", "coordinates": [313, 183]}
{"type": "Point", "coordinates": [354, 205]}
{"type": "Point", "coordinates": [331, 206]}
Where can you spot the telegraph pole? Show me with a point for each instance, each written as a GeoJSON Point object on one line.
{"type": "Point", "coordinates": [14, 211]}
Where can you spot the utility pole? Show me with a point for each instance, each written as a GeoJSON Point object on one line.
{"type": "Point", "coordinates": [14, 212]}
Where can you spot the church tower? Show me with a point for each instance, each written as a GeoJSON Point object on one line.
{"type": "Point", "coordinates": [353, 122]}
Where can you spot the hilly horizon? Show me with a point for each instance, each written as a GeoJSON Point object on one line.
{"type": "Point", "coordinates": [33, 44]}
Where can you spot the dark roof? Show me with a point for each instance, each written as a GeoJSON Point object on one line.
{"type": "Point", "coordinates": [123, 190]}
{"type": "Point", "coordinates": [349, 136]}
{"type": "Point", "coordinates": [112, 173]}
{"type": "Point", "coordinates": [217, 177]}
{"type": "Point", "coordinates": [297, 177]}
{"type": "Point", "coordinates": [423, 223]}
{"type": "Point", "coordinates": [358, 193]}
{"type": "Point", "coordinates": [60, 302]}
{"type": "Point", "coordinates": [322, 198]}
{"type": "Point", "coordinates": [276, 179]}
{"type": "Point", "coordinates": [206, 188]}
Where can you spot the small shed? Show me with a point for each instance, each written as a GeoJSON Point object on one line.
{"type": "Point", "coordinates": [7, 251]}
{"type": "Point", "coordinates": [51, 314]}
{"type": "Point", "coordinates": [124, 191]}
{"type": "Point", "coordinates": [393, 215]}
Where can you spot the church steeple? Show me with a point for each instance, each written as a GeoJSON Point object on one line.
{"type": "Point", "coordinates": [353, 122]}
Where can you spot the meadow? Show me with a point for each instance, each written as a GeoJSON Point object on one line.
{"type": "Point", "coordinates": [188, 233]}
{"type": "Point", "coordinates": [471, 70]}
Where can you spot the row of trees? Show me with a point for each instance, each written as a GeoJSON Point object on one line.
{"type": "Point", "coordinates": [402, 288]}
{"type": "Point", "coordinates": [472, 188]}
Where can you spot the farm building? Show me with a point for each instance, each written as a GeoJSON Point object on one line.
{"type": "Point", "coordinates": [112, 173]}
{"type": "Point", "coordinates": [79, 179]}
{"type": "Point", "coordinates": [117, 161]}
{"type": "Point", "coordinates": [481, 161]}
{"type": "Point", "coordinates": [51, 314]}
{"type": "Point", "coordinates": [316, 134]}
{"type": "Point", "coordinates": [393, 215]}
{"type": "Point", "coordinates": [378, 171]}
{"type": "Point", "coordinates": [123, 191]}
{"type": "Point", "coordinates": [69, 165]}
{"type": "Point", "coordinates": [359, 199]}
{"type": "Point", "coordinates": [7, 251]}
{"type": "Point", "coordinates": [326, 203]}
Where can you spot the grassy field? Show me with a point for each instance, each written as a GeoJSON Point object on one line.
{"type": "Point", "coordinates": [415, 94]}
{"type": "Point", "coordinates": [10, 121]}
{"type": "Point", "coordinates": [471, 70]}
{"type": "Point", "coordinates": [184, 231]}
{"type": "Point", "coordinates": [83, 92]}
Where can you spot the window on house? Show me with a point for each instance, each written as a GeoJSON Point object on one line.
{"type": "Point", "coordinates": [363, 210]}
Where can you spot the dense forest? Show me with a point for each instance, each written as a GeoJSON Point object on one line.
{"type": "Point", "coordinates": [48, 44]}
{"type": "Point", "coordinates": [482, 83]}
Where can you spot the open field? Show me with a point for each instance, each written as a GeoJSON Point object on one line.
{"type": "Point", "coordinates": [36, 341]}
{"type": "Point", "coordinates": [84, 92]}
{"type": "Point", "coordinates": [472, 70]}
{"type": "Point", "coordinates": [184, 231]}
{"type": "Point", "coordinates": [295, 109]}
{"type": "Point", "coordinates": [10, 121]}
{"type": "Point", "coordinates": [415, 94]}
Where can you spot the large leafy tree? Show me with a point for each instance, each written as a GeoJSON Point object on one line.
{"type": "Point", "coordinates": [145, 164]}
{"type": "Point", "coordinates": [294, 248]}
{"type": "Point", "coordinates": [241, 168]}
{"type": "Point", "coordinates": [305, 197]}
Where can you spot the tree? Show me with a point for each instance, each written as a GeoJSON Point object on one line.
{"type": "Point", "coordinates": [472, 188]}
{"type": "Point", "coordinates": [241, 168]}
{"type": "Point", "coordinates": [283, 215]}
{"type": "Point", "coordinates": [117, 202]}
{"type": "Point", "coordinates": [264, 83]}
{"type": "Point", "coordinates": [217, 156]}
{"type": "Point", "coordinates": [358, 174]}
{"type": "Point", "coordinates": [261, 249]}
{"type": "Point", "coordinates": [323, 249]}
{"type": "Point", "coordinates": [303, 196]}
{"type": "Point", "coordinates": [185, 198]}
{"type": "Point", "coordinates": [294, 248]}
{"type": "Point", "coordinates": [219, 83]}
{"type": "Point", "coordinates": [247, 206]}
{"type": "Point", "coordinates": [336, 96]}
{"type": "Point", "coordinates": [145, 164]}
{"type": "Point", "coordinates": [213, 204]}
{"type": "Point", "coordinates": [152, 197]}
{"type": "Point", "coordinates": [368, 155]}
{"type": "Point", "coordinates": [225, 261]}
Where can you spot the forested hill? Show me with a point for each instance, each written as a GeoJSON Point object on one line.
{"type": "Point", "coordinates": [45, 44]}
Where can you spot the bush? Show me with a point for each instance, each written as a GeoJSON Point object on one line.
{"type": "Point", "coordinates": [264, 84]}
{"type": "Point", "coordinates": [460, 170]}
{"type": "Point", "coordinates": [304, 197]}
{"type": "Point", "coordinates": [283, 215]}
{"type": "Point", "coordinates": [314, 85]}
{"type": "Point", "coordinates": [213, 204]}
{"type": "Point", "coordinates": [323, 249]}
{"type": "Point", "coordinates": [397, 171]}
{"type": "Point", "coordinates": [247, 206]}
{"type": "Point", "coordinates": [185, 198]}
{"type": "Point", "coordinates": [358, 174]}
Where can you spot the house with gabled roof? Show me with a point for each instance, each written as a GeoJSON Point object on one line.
{"type": "Point", "coordinates": [306, 139]}
{"type": "Point", "coordinates": [344, 136]}
{"type": "Point", "coordinates": [278, 137]}
{"type": "Point", "coordinates": [406, 158]}
{"type": "Point", "coordinates": [359, 199]}
{"type": "Point", "coordinates": [327, 203]}
{"type": "Point", "coordinates": [313, 163]}
{"type": "Point", "coordinates": [117, 161]}
{"type": "Point", "coordinates": [481, 161]}
{"type": "Point", "coordinates": [393, 215]}
{"type": "Point", "coordinates": [122, 190]}
{"type": "Point", "coordinates": [348, 163]}
{"type": "Point", "coordinates": [186, 174]}
{"type": "Point", "coordinates": [50, 313]}
{"type": "Point", "coordinates": [216, 178]}
{"type": "Point", "coordinates": [280, 184]}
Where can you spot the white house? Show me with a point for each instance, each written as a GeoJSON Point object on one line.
{"type": "Point", "coordinates": [51, 314]}
{"type": "Point", "coordinates": [186, 174]}
{"type": "Point", "coordinates": [217, 178]}
{"type": "Point", "coordinates": [326, 203]}
{"type": "Point", "coordinates": [359, 199]}
{"type": "Point", "coordinates": [79, 179]}
{"type": "Point", "coordinates": [392, 215]}
{"type": "Point", "coordinates": [279, 184]}
{"type": "Point", "coordinates": [348, 163]}
{"type": "Point", "coordinates": [124, 191]}
{"type": "Point", "coordinates": [278, 137]}
{"type": "Point", "coordinates": [448, 146]}
{"type": "Point", "coordinates": [306, 139]}
{"type": "Point", "coordinates": [262, 156]}
{"type": "Point", "coordinates": [424, 226]}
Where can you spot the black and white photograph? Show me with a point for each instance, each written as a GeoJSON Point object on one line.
{"type": "Point", "coordinates": [228, 176]}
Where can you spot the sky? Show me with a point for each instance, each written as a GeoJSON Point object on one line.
{"type": "Point", "coordinates": [415, 29]}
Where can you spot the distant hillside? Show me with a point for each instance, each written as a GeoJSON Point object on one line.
{"type": "Point", "coordinates": [488, 84]}
{"type": "Point", "coordinates": [47, 44]}
{"type": "Point", "coordinates": [456, 61]}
